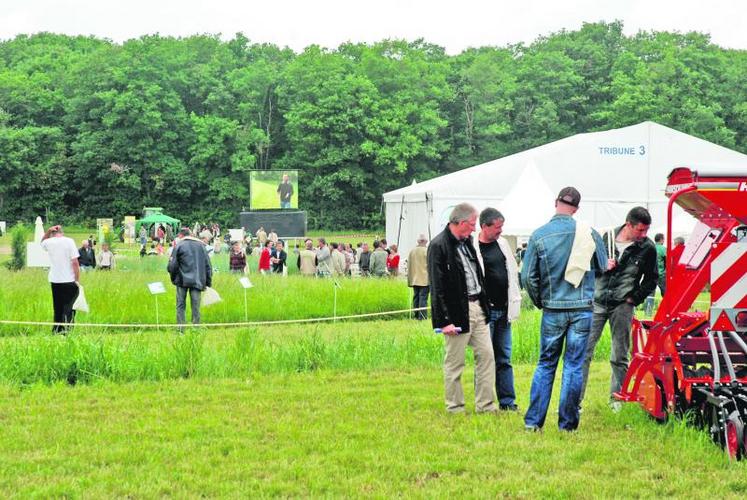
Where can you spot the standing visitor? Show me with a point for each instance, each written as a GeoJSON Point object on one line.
{"type": "Point", "coordinates": [64, 275]}
{"type": "Point", "coordinates": [417, 276]}
{"type": "Point", "coordinates": [561, 261]}
{"type": "Point", "coordinates": [661, 262]}
{"type": "Point", "coordinates": [106, 258]}
{"type": "Point", "coordinates": [630, 277]}
{"type": "Point", "coordinates": [378, 260]}
{"type": "Point", "coordinates": [264, 258]}
{"type": "Point", "coordinates": [502, 286]}
{"type": "Point", "coordinates": [338, 260]}
{"type": "Point", "coordinates": [364, 260]}
{"type": "Point", "coordinates": [87, 259]}
{"type": "Point", "coordinates": [459, 308]}
{"type": "Point", "coordinates": [190, 271]}
{"type": "Point", "coordinates": [237, 259]}
{"type": "Point", "coordinates": [261, 236]}
{"type": "Point", "coordinates": [307, 259]}
{"type": "Point", "coordinates": [392, 261]}
{"type": "Point", "coordinates": [278, 260]}
{"type": "Point", "coordinates": [323, 259]}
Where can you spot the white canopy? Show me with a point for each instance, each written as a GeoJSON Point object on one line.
{"type": "Point", "coordinates": [614, 170]}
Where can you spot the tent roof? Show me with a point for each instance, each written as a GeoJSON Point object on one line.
{"type": "Point", "coordinates": [586, 161]}
{"type": "Point", "coordinates": [156, 218]}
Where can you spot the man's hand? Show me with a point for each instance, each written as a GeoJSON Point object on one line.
{"type": "Point", "coordinates": [450, 330]}
{"type": "Point", "coordinates": [611, 264]}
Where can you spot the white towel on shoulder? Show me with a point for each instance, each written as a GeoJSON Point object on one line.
{"type": "Point", "coordinates": [579, 261]}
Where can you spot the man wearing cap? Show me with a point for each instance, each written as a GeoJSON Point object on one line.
{"type": "Point", "coordinates": [459, 309]}
{"type": "Point", "coordinates": [560, 264]}
{"type": "Point", "coordinates": [417, 276]}
{"type": "Point", "coordinates": [631, 277]}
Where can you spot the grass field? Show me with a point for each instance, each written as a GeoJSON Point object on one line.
{"type": "Point", "coordinates": [352, 408]}
{"type": "Point", "coordinates": [376, 433]}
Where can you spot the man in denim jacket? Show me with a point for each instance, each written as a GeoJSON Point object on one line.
{"type": "Point", "coordinates": [566, 309]}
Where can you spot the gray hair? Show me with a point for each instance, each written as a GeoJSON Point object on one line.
{"type": "Point", "coordinates": [489, 215]}
{"type": "Point", "coordinates": [461, 212]}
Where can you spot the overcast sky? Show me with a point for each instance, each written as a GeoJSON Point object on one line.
{"type": "Point", "coordinates": [453, 24]}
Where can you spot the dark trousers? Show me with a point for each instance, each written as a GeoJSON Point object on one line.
{"type": "Point", "coordinates": [63, 298]}
{"type": "Point", "coordinates": [420, 299]}
{"type": "Point", "coordinates": [181, 304]}
{"type": "Point", "coordinates": [500, 335]}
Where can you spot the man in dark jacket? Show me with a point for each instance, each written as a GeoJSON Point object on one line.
{"type": "Point", "coordinates": [459, 308]}
{"type": "Point", "coordinates": [87, 259]}
{"type": "Point", "coordinates": [191, 272]}
{"type": "Point", "coordinates": [632, 276]}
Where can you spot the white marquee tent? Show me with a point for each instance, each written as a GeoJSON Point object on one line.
{"type": "Point", "coordinates": [614, 170]}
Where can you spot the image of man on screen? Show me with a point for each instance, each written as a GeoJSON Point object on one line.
{"type": "Point", "coordinates": [285, 190]}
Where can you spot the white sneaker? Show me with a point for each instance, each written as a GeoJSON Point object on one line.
{"type": "Point", "coordinates": [616, 406]}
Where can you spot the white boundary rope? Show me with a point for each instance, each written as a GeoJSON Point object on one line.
{"type": "Point", "coordinates": [211, 325]}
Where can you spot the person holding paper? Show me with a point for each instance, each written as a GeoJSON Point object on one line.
{"type": "Point", "coordinates": [460, 310]}
{"type": "Point", "coordinates": [64, 276]}
{"type": "Point", "coordinates": [191, 272]}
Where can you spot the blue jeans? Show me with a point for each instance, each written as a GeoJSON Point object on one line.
{"type": "Point", "coordinates": [558, 327]}
{"type": "Point", "coordinates": [285, 204]}
{"type": "Point", "coordinates": [500, 335]}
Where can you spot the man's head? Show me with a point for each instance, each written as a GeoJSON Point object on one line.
{"type": "Point", "coordinates": [491, 224]}
{"type": "Point", "coordinates": [105, 247]}
{"type": "Point", "coordinates": [462, 220]}
{"type": "Point", "coordinates": [309, 244]}
{"type": "Point", "coordinates": [322, 242]}
{"type": "Point", "coordinates": [334, 246]}
{"type": "Point", "coordinates": [422, 240]}
{"type": "Point", "coordinates": [184, 232]}
{"type": "Point", "coordinates": [679, 240]}
{"type": "Point", "coordinates": [286, 179]}
{"type": "Point", "coordinates": [364, 247]}
{"type": "Point", "coordinates": [637, 223]}
{"type": "Point", "coordinates": [280, 245]}
{"type": "Point", "coordinates": [84, 243]}
{"type": "Point", "coordinates": [268, 244]}
{"type": "Point", "coordinates": [383, 243]}
{"type": "Point", "coordinates": [567, 201]}
{"type": "Point", "coordinates": [376, 244]}
{"type": "Point", "coordinates": [659, 239]}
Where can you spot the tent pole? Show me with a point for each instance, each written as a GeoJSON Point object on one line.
{"type": "Point", "coordinates": [401, 211]}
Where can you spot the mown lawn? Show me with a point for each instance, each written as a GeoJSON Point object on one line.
{"type": "Point", "coordinates": [329, 433]}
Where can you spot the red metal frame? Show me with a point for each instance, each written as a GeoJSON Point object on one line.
{"type": "Point", "coordinates": [656, 377]}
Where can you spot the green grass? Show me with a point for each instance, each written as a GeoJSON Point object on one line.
{"type": "Point", "coordinates": [380, 433]}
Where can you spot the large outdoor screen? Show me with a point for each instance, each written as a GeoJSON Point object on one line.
{"type": "Point", "coordinates": [273, 189]}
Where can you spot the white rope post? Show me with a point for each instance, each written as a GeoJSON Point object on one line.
{"type": "Point", "coordinates": [158, 325]}
{"type": "Point", "coordinates": [246, 307]}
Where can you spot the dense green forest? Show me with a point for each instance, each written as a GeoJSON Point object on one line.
{"type": "Point", "coordinates": [90, 128]}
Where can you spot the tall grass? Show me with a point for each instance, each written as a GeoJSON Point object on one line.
{"type": "Point", "coordinates": [239, 352]}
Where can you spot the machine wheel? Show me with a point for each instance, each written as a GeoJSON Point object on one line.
{"type": "Point", "coordinates": [734, 436]}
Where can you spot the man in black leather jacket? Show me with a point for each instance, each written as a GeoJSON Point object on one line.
{"type": "Point", "coordinates": [459, 301]}
{"type": "Point", "coordinates": [190, 271]}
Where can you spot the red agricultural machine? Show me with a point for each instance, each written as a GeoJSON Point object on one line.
{"type": "Point", "coordinates": [694, 364]}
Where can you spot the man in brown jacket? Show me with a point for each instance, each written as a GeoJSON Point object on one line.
{"type": "Point", "coordinates": [417, 277]}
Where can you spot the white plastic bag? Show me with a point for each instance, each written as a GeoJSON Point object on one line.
{"type": "Point", "coordinates": [210, 297]}
{"type": "Point", "coordinates": [81, 304]}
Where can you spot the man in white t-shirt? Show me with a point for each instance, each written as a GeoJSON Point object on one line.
{"type": "Point", "coordinates": [64, 275]}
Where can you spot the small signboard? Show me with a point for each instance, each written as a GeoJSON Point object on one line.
{"type": "Point", "coordinates": [245, 282]}
{"type": "Point", "coordinates": [156, 288]}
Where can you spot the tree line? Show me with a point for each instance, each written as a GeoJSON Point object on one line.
{"type": "Point", "coordinates": [90, 128]}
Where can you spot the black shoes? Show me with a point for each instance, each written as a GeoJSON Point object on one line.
{"type": "Point", "coordinates": [511, 407]}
